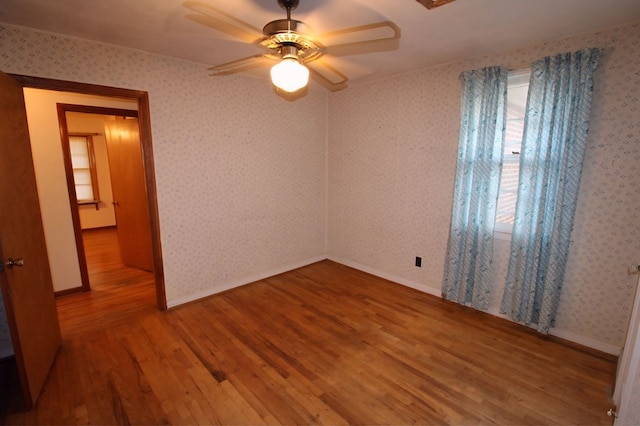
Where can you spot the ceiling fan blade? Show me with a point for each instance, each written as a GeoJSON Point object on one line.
{"type": "Point", "coordinates": [327, 75]}
{"type": "Point", "coordinates": [430, 4]}
{"type": "Point", "coordinates": [377, 37]}
{"type": "Point", "coordinates": [240, 65]}
{"type": "Point", "coordinates": [222, 21]}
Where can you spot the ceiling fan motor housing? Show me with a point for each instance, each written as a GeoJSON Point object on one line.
{"type": "Point", "coordinates": [289, 32]}
{"type": "Point", "coordinates": [291, 39]}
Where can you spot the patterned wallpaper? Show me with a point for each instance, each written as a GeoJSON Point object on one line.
{"type": "Point", "coordinates": [392, 156]}
{"type": "Point", "coordinates": [243, 192]}
{"type": "Point", "coordinates": [240, 172]}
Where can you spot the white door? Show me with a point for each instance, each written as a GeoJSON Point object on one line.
{"type": "Point", "coordinates": [626, 396]}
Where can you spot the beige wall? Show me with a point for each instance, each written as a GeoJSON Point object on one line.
{"type": "Point", "coordinates": [240, 172]}
{"type": "Point", "coordinates": [104, 216]}
{"type": "Point", "coordinates": [392, 158]}
{"type": "Point", "coordinates": [243, 176]}
{"type": "Point", "coordinates": [48, 162]}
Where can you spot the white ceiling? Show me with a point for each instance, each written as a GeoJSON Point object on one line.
{"type": "Point", "coordinates": [462, 29]}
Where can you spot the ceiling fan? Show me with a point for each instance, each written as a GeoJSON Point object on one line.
{"type": "Point", "coordinates": [430, 4]}
{"type": "Point", "coordinates": [296, 50]}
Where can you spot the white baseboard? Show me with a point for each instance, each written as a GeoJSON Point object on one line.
{"type": "Point", "coordinates": [240, 282]}
{"type": "Point", "coordinates": [563, 334]}
{"type": "Point", "coordinates": [574, 338]}
{"type": "Point", "coordinates": [395, 279]}
{"type": "Point", "coordinates": [586, 341]}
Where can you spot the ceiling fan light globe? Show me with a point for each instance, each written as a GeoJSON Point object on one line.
{"type": "Point", "coordinates": [289, 75]}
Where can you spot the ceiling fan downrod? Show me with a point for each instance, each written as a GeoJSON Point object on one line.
{"type": "Point", "coordinates": [288, 5]}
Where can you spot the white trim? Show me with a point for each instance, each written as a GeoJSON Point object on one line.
{"type": "Point", "coordinates": [571, 337]}
{"type": "Point", "coordinates": [585, 341]}
{"type": "Point", "coordinates": [629, 358]}
{"type": "Point", "coordinates": [395, 279]}
{"type": "Point", "coordinates": [563, 334]}
{"type": "Point", "coordinates": [631, 376]}
{"type": "Point", "coordinates": [501, 235]}
{"type": "Point", "coordinates": [240, 282]}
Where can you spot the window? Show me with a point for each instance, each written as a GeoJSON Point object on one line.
{"type": "Point", "coordinates": [83, 162]}
{"type": "Point", "coordinates": [517, 89]}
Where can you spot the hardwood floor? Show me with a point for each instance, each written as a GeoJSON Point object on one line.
{"type": "Point", "coordinates": [323, 344]}
{"type": "Point", "coordinates": [117, 291]}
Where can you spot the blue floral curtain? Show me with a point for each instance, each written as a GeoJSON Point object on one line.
{"type": "Point", "coordinates": [555, 135]}
{"type": "Point", "coordinates": [469, 251]}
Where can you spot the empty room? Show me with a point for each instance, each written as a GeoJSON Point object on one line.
{"type": "Point", "coordinates": [320, 212]}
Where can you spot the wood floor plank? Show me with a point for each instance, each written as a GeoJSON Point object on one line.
{"type": "Point", "coordinates": [323, 344]}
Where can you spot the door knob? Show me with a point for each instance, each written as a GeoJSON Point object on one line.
{"type": "Point", "coordinates": [115, 203]}
{"type": "Point", "coordinates": [10, 263]}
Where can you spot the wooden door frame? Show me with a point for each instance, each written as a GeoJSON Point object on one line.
{"type": "Point", "coordinates": [66, 153]}
{"type": "Point", "coordinates": [144, 121]}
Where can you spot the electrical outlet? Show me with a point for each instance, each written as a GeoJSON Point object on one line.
{"type": "Point", "coordinates": [633, 269]}
{"type": "Point", "coordinates": [418, 261]}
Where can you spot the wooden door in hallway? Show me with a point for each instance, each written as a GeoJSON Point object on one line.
{"type": "Point", "coordinates": [27, 290]}
{"type": "Point", "coordinates": [129, 192]}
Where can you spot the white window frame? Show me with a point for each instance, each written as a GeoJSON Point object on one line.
{"type": "Point", "coordinates": [89, 165]}
{"type": "Point", "coordinates": [517, 79]}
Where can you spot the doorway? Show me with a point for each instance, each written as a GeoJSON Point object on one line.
{"type": "Point", "coordinates": [105, 175]}
{"type": "Point", "coordinates": [140, 100]}
{"type": "Point", "coordinates": [119, 293]}
{"type": "Point", "coordinates": [28, 298]}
